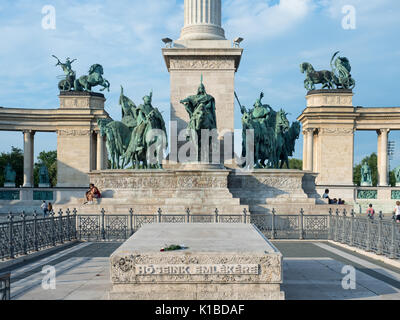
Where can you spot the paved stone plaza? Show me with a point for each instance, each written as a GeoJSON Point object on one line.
{"type": "Point", "coordinates": [312, 270]}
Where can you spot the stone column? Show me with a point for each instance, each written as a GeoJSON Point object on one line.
{"type": "Point", "coordinates": [304, 150]}
{"type": "Point", "coordinates": [202, 20]}
{"type": "Point", "coordinates": [383, 157]}
{"type": "Point", "coordinates": [28, 158]}
{"type": "Point", "coordinates": [100, 152]}
{"type": "Point", "coordinates": [310, 149]}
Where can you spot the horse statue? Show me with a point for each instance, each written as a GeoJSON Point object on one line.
{"type": "Point", "coordinates": [118, 137]}
{"type": "Point", "coordinates": [281, 128]}
{"type": "Point", "coordinates": [140, 145]}
{"type": "Point", "coordinates": [313, 77]}
{"type": "Point", "coordinates": [290, 138]}
{"type": "Point", "coordinates": [95, 78]}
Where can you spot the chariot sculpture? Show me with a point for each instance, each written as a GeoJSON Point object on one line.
{"type": "Point", "coordinates": [338, 78]}
{"type": "Point", "coordinates": [84, 83]}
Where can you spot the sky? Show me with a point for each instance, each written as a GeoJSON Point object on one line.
{"type": "Point", "coordinates": [125, 37]}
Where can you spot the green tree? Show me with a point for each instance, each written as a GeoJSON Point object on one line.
{"type": "Point", "coordinates": [50, 161]}
{"type": "Point", "coordinates": [392, 178]}
{"type": "Point", "coordinates": [372, 162]}
{"type": "Point", "coordinates": [295, 164]}
{"type": "Point", "coordinates": [16, 159]}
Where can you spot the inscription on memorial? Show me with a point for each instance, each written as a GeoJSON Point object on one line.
{"type": "Point", "coordinates": [207, 269]}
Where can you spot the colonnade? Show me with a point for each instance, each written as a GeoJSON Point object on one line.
{"type": "Point", "coordinates": [29, 160]}
{"type": "Point", "coordinates": [382, 152]}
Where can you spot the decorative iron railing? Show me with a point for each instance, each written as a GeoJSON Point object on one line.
{"type": "Point", "coordinates": [374, 235]}
{"type": "Point", "coordinates": [28, 235]}
{"type": "Point", "coordinates": [5, 286]}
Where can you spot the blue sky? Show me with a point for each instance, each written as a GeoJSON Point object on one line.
{"type": "Point", "coordinates": [125, 37]}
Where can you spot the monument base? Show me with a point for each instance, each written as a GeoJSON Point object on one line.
{"type": "Point", "coordinates": [44, 185]}
{"type": "Point", "coordinates": [9, 185]}
{"type": "Point", "coordinates": [221, 262]}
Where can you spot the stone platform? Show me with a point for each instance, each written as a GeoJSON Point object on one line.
{"type": "Point", "coordinates": [221, 262]}
{"type": "Point", "coordinates": [199, 188]}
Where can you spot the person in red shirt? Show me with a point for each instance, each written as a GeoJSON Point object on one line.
{"type": "Point", "coordinates": [370, 212]}
{"type": "Point", "coordinates": [92, 193]}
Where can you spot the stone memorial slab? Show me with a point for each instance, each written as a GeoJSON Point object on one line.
{"type": "Point", "coordinates": [221, 262]}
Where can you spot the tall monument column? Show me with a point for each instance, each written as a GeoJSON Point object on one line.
{"type": "Point", "coordinates": [202, 20]}
{"type": "Point", "coordinates": [202, 50]}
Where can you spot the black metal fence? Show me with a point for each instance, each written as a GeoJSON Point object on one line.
{"type": "Point", "coordinates": [5, 286]}
{"type": "Point", "coordinates": [28, 235]}
{"type": "Point", "coordinates": [374, 235]}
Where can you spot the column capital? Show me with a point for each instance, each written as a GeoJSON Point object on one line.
{"type": "Point", "coordinates": [380, 131]}
{"type": "Point", "coordinates": [28, 131]}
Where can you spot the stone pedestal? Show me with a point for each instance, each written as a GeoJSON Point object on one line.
{"type": "Point", "coordinates": [202, 188]}
{"type": "Point", "coordinates": [217, 62]}
{"type": "Point", "coordinates": [199, 189]}
{"type": "Point", "coordinates": [329, 125]}
{"type": "Point", "coordinates": [77, 146]}
{"type": "Point", "coordinates": [221, 262]}
{"type": "Point", "coordinates": [366, 184]}
{"type": "Point", "coordinates": [44, 185]}
{"type": "Point", "coordinates": [9, 185]}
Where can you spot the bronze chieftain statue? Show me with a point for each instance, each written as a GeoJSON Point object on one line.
{"type": "Point", "coordinates": [201, 110]}
{"type": "Point", "coordinates": [339, 77]}
{"type": "Point", "coordinates": [274, 139]}
{"type": "Point", "coordinates": [130, 140]}
{"type": "Point", "coordinates": [43, 174]}
{"type": "Point", "coordinates": [9, 175]}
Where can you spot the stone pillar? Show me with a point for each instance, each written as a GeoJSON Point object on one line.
{"type": "Point", "coordinates": [304, 150]}
{"type": "Point", "coordinates": [100, 152]}
{"type": "Point", "coordinates": [202, 20]}
{"type": "Point", "coordinates": [202, 50]}
{"type": "Point", "coordinates": [333, 113]}
{"type": "Point", "coordinates": [383, 157]}
{"type": "Point", "coordinates": [28, 158]}
{"type": "Point", "coordinates": [76, 143]}
{"type": "Point", "coordinates": [310, 149]}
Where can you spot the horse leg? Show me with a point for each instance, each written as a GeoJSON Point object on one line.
{"type": "Point", "coordinates": [136, 162]}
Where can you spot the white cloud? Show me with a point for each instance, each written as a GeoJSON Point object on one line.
{"type": "Point", "coordinates": [257, 20]}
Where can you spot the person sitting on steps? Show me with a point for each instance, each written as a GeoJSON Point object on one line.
{"type": "Point", "coordinates": [92, 193]}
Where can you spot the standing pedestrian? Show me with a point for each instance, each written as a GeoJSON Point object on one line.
{"type": "Point", "coordinates": [397, 211]}
{"type": "Point", "coordinates": [370, 212]}
{"type": "Point", "coordinates": [50, 207]}
{"type": "Point", "coordinates": [45, 208]}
